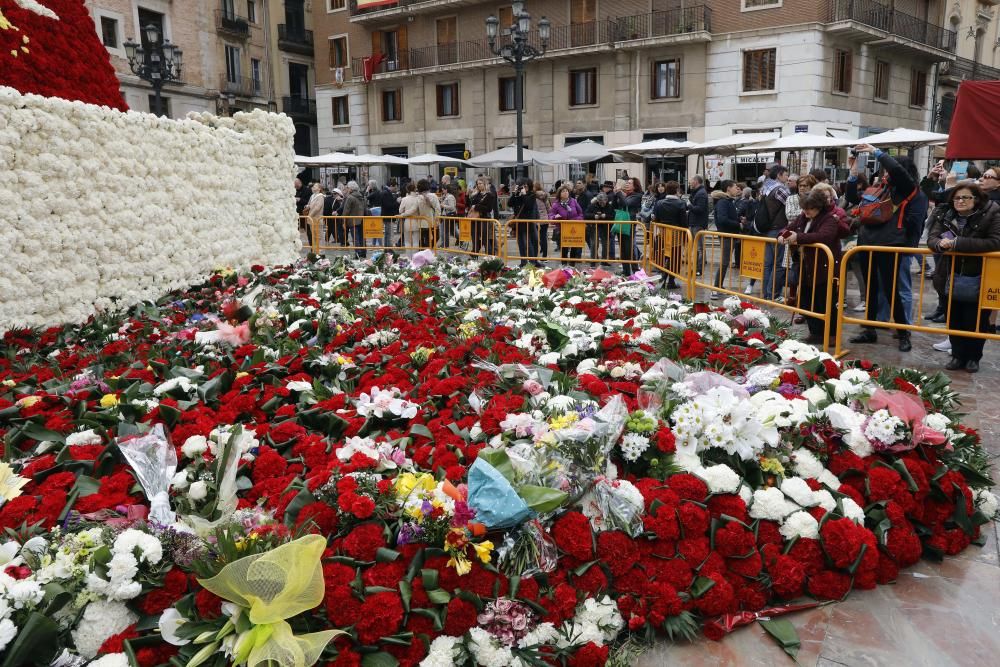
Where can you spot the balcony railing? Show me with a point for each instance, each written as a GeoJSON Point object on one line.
{"type": "Point", "coordinates": [969, 70]}
{"type": "Point", "coordinates": [605, 33]}
{"type": "Point", "coordinates": [297, 40]}
{"type": "Point", "coordinates": [244, 86]}
{"type": "Point", "coordinates": [885, 19]}
{"type": "Point", "coordinates": [229, 23]}
{"type": "Point", "coordinates": [298, 106]}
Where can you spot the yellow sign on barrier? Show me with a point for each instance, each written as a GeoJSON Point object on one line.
{"type": "Point", "coordinates": [465, 230]}
{"type": "Point", "coordinates": [573, 235]}
{"type": "Point", "coordinates": [373, 228]}
{"type": "Point", "coordinates": [989, 291]}
{"type": "Point", "coordinates": [752, 258]}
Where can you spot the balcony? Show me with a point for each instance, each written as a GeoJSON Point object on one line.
{"type": "Point", "coordinates": [963, 69]}
{"type": "Point", "coordinates": [391, 13]}
{"type": "Point", "coordinates": [879, 24]}
{"type": "Point", "coordinates": [228, 23]}
{"type": "Point", "coordinates": [295, 40]}
{"type": "Point", "coordinates": [242, 86]}
{"type": "Point", "coordinates": [299, 108]}
{"type": "Point", "coordinates": [690, 24]}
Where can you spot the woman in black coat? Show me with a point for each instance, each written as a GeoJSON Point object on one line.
{"type": "Point", "coordinates": [524, 204]}
{"type": "Point", "coordinates": [970, 225]}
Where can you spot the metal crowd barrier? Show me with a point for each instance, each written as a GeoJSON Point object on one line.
{"type": "Point", "coordinates": [668, 251]}
{"type": "Point", "coordinates": [907, 304]}
{"type": "Point", "coordinates": [597, 242]}
{"type": "Point", "coordinates": [808, 295]}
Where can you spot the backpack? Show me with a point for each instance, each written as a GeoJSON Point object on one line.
{"type": "Point", "coordinates": [762, 222]}
{"type": "Point", "coordinates": [876, 206]}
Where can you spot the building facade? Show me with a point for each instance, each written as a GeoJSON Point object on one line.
{"type": "Point", "coordinates": [624, 71]}
{"type": "Point", "coordinates": [977, 26]}
{"type": "Point", "coordinates": [238, 55]}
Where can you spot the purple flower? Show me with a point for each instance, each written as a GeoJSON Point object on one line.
{"type": "Point", "coordinates": [408, 534]}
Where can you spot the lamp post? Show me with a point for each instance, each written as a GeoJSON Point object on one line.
{"type": "Point", "coordinates": [518, 52]}
{"type": "Point", "coordinates": [161, 65]}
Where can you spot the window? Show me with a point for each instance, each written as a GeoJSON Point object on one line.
{"type": "Point", "coordinates": [506, 16]}
{"type": "Point", "coordinates": [109, 32]}
{"type": "Point", "coordinates": [582, 87]}
{"type": "Point", "coordinates": [164, 101]}
{"type": "Point", "coordinates": [335, 5]}
{"type": "Point", "coordinates": [507, 96]}
{"type": "Point", "coordinates": [918, 88]}
{"type": "Point", "coordinates": [447, 38]}
{"type": "Point", "coordinates": [666, 79]}
{"type": "Point", "coordinates": [341, 111]}
{"type": "Point", "coordinates": [842, 69]}
{"type": "Point", "coordinates": [882, 71]}
{"type": "Point", "coordinates": [255, 74]}
{"type": "Point", "coordinates": [252, 11]}
{"type": "Point", "coordinates": [232, 64]}
{"type": "Point", "coordinates": [392, 108]}
{"type": "Point", "coordinates": [229, 9]}
{"type": "Point", "coordinates": [758, 70]}
{"type": "Point", "coordinates": [338, 52]}
{"type": "Point", "coordinates": [447, 99]}
{"type": "Point", "coordinates": [750, 5]}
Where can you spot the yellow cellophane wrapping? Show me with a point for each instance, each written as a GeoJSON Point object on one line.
{"type": "Point", "coordinates": [275, 586]}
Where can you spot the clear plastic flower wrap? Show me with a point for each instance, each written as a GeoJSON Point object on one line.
{"type": "Point", "coordinates": [528, 551]}
{"type": "Point", "coordinates": [613, 504]}
{"type": "Point", "coordinates": [154, 460]}
{"type": "Point", "coordinates": [581, 449]}
{"type": "Point", "coordinates": [656, 382]}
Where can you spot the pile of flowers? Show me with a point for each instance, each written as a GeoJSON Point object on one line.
{"type": "Point", "coordinates": [347, 463]}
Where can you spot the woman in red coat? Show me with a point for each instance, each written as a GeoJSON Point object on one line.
{"type": "Point", "coordinates": [817, 224]}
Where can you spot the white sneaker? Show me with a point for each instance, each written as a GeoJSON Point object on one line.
{"type": "Point", "coordinates": [714, 296]}
{"type": "Point", "coordinates": [748, 290]}
{"type": "Point", "coordinates": [860, 308]}
{"type": "Point", "coordinates": [943, 346]}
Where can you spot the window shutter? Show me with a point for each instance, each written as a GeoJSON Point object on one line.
{"type": "Point", "coordinates": [404, 49]}
{"type": "Point", "coordinates": [376, 42]}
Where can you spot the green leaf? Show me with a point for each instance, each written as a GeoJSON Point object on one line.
{"type": "Point", "coordinates": [385, 555]}
{"type": "Point", "coordinates": [379, 659]}
{"type": "Point", "coordinates": [499, 460]}
{"type": "Point", "coordinates": [701, 586]}
{"type": "Point", "coordinates": [422, 431]}
{"type": "Point", "coordinates": [36, 643]}
{"type": "Point", "coordinates": [542, 499]}
{"type": "Point", "coordinates": [783, 632]}
{"type": "Point", "coordinates": [439, 596]}
{"type": "Point", "coordinates": [405, 594]}
{"type": "Point", "coordinates": [430, 579]}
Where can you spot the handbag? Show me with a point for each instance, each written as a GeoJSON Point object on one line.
{"type": "Point", "coordinates": [472, 213]}
{"type": "Point", "coordinates": [965, 289]}
{"type": "Point", "coordinates": [618, 228]}
{"type": "Point", "coordinates": [877, 207]}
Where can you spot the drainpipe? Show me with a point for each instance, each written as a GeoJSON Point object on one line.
{"type": "Point", "coordinates": [268, 48]}
{"type": "Point", "coordinates": [935, 107]}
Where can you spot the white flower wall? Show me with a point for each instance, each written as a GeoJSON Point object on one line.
{"type": "Point", "coordinates": [101, 209]}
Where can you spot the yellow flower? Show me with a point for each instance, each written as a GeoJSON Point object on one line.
{"type": "Point", "coordinates": [460, 563]}
{"type": "Point", "coordinates": [9, 383]}
{"type": "Point", "coordinates": [483, 550]}
{"type": "Point", "coordinates": [109, 401]}
{"type": "Point", "coordinates": [28, 401]}
{"type": "Point", "coordinates": [407, 483]}
{"type": "Point", "coordinates": [241, 374]}
{"type": "Point", "coordinates": [10, 482]}
{"type": "Point", "coordinates": [560, 422]}
{"type": "Point", "coordinates": [772, 466]}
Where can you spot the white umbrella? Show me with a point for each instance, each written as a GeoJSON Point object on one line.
{"type": "Point", "coordinates": [904, 137]}
{"type": "Point", "coordinates": [797, 142]}
{"type": "Point", "coordinates": [655, 147]}
{"type": "Point", "coordinates": [326, 160]}
{"type": "Point", "coordinates": [730, 144]}
{"type": "Point", "coordinates": [507, 157]}
{"type": "Point", "coordinates": [587, 150]}
{"type": "Point", "coordinates": [431, 158]}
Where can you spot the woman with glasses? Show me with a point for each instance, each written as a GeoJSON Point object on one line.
{"type": "Point", "coordinates": [990, 184]}
{"type": "Point", "coordinates": [971, 224]}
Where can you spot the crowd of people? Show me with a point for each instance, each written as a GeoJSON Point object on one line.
{"type": "Point", "coordinates": [896, 208]}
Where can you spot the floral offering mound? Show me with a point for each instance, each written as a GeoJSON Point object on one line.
{"type": "Point", "coordinates": [390, 464]}
{"type": "Point", "coordinates": [51, 48]}
{"type": "Point", "coordinates": [136, 229]}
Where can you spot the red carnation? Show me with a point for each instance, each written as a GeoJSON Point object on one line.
{"type": "Point", "coordinates": [208, 604]}
{"type": "Point", "coordinates": [734, 541]}
{"type": "Point", "coordinates": [322, 517]}
{"type": "Point", "coordinates": [380, 616]}
{"type": "Point", "coordinates": [364, 541]}
{"type": "Point", "coordinates": [665, 440]}
{"type": "Point", "coordinates": [573, 535]}
{"type": "Point", "coordinates": [460, 617]}
{"type": "Point", "coordinates": [688, 486]}
{"type": "Point", "coordinates": [829, 585]}
{"type": "Point", "coordinates": [719, 599]}
{"type": "Point", "coordinates": [617, 550]}
{"type": "Point", "coordinates": [787, 576]}
{"type": "Point", "coordinates": [158, 599]}
{"type": "Point", "coordinates": [695, 519]}
{"type": "Point", "coordinates": [589, 655]}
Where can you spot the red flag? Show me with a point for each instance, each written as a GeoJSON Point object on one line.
{"type": "Point", "coordinates": [369, 63]}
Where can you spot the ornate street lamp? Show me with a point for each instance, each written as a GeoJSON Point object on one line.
{"type": "Point", "coordinates": [161, 65]}
{"type": "Point", "coordinates": [518, 52]}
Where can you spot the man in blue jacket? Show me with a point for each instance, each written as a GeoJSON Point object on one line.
{"type": "Point", "coordinates": [698, 214]}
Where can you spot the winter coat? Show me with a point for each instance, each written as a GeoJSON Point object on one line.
{"type": "Point", "coordinates": [980, 234]}
{"type": "Point", "coordinates": [354, 207]}
{"type": "Point", "coordinates": [390, 204]}
{"type": "Point", "coordinates": [483, 202]}
{"type": "Point", "coordinates": [671, 210]}
{"type": "Point", "coordinates": [601, 213]}
{"type": "Point", "coordinates": [824, 230]}
{"type": "Point", "coordinates": [525, 207]}
{"type": "Point", "coordinates": [568, 211]}
{"type": "Point", "coordinates": [420, 204]}
{"type": "Point", "coordinates": [893, 232]}
{"type": "Point", "coordinates": [315, 207]}
{"type": "Point", "coordinates": [727, 218]}
{"type": "Point", "coordinates": [698, 209]}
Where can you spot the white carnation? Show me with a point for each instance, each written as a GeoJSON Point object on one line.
{"type": "Point", "coordinates": [633, 446]}
{"type": "Point", "coordinates": [194, 445]}
{"type": "Point", "coordinates": [801, 524]}
{"type": "Point", "coordinates": [853, 511]}
{"type": "Point", "coordinates": [987, 503]}
{"type": "Point", "coordinates": [198, 491]}
{"type": "Point", "coordinates": [441, 652]}
{"type": "Point", "coordinates": [100, 620]}
{"type": "Point", "coordinates": [88, 437]}
{"type": "Point", "coordinates": [7, 633]}
{"type": "Point", "coordinates": [805, 464]}
{"type": "Point", "coordinates": [798, 490]}
{"type": "Point", "coordinates": [771, 504]}
{"type": "Point", "coordinates": [720, 478]}
{"type": "Point", "coordinates": [111, 660]}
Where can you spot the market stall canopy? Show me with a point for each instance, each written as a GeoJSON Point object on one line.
{"type": "Point", "coordinates": [507, 157]}
{"type": "Point", "coordinates": [904, 137]}
{"type": "Point", "coordinates": [432, 158]}
{"type": "Point", "coordinates": [341, 159]}
{"type": "Point", "coordinates": [797, 142]}
{"type": "Point", "coordinates": [730, 144]}
{"type": "Point", "coordinates": [587, 151]}
{"type": "Point", "coordinates": [974, 131]}
{"type": "Point", "coordinates": [653, 148]}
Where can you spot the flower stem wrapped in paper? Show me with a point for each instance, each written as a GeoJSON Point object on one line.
{"type": "Point", "coordinates": [497, 502]}
{"type": "Point", "coordinates": [266, 590]}
{"type": "Point", "coordinates": [154, 460]}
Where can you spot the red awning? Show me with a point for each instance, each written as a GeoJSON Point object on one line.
{"type": "Point", "coordinates": [975, 132]}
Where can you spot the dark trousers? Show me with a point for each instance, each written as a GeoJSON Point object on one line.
{"type": "Point", "coordinates": [309, 231]}
{"type": "Point", "coordinates": [359, 241]}
{"type": "Point", "coordinates": [543, 239]}
{"type": "Point", "coordinates": [628, 251]}
{"type": "Point", "coordinates": [813, 298]}
{"type": "Point", "coordinates": [599, 238]}
{"type": "Point", "coordinates": [527, 241]}
{"type": "Point", "coordinates": [726, 245]}
{"type": "Point", "coordinates": [880, 275]}
{"type": "Point", "coordinates": [966, 316]}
